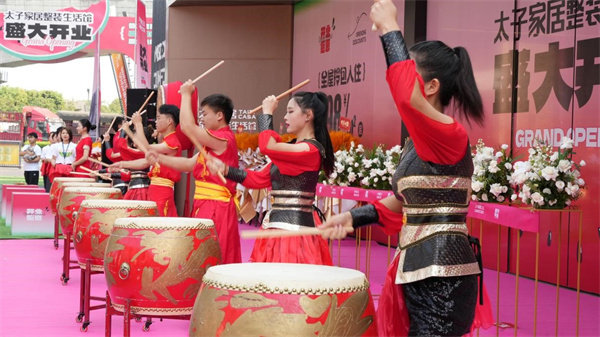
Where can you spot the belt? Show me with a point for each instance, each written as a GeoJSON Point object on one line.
{"type": "Point", "coordinates": [210, 191]}
{"type": "Point", "coordinates": [161, 182]}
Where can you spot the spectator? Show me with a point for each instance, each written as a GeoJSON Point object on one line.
{"type": "Point", "coordinates": [31, 154]}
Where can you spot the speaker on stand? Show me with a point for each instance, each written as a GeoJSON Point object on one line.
{"type": "Point", "coordinates": [135, 99]}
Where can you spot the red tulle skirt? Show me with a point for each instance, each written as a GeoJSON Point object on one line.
{"type": "Point", "coordinates": [137, 194]}
{"type": "Point", "coordinates": [392, 314]}
{"type": "Point", "coordinates": [310, 249]}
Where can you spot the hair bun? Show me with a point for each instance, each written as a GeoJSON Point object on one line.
{"type": "Point", "coordinates": [93, 127]}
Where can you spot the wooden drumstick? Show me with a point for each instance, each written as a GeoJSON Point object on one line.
{"type": "Point", "coordinates": [140, 146]}
{"type": "Point", "coordinates": [287, 92]}
{"type": "Point", "coordinates": [276, 233]}
{"type": "Point", "coordinates": [95, 173]}
{"type": "Point", "coordinates": [141, 114]}
{"type": "Point", "coordinates": [145, 102]}
{"type": "Point", "coordinates": [206, 73]}
{"type": "Point", "coordinates": [110, 127]}
{"type": "Point", "coordinates": [81, 173]}
{"type": "Point", "coordinates": [104, 164]}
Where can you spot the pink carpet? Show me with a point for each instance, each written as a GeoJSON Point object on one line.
{"type": "Point", "coordinates": [34, 303]}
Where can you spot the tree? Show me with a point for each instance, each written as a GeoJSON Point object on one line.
{"type": "Point", "coordinates": [115, 106]}
{"type": "Point", "coordinates": [14, 99]}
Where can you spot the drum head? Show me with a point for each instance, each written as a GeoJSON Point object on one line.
{"type": "Point", "coordinates": [118, 204]}
{"type": "Point", "coordinates": [285, 278]}
{"type": "Point", "coordinates": [91, 190]}
{"type": "Point", "coordinates": [164, 223]}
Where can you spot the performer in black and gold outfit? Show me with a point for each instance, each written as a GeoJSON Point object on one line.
{"type": "Point", "coordinates": [293, 175]}
{"type": "Point", "coordinates": [436, 265]}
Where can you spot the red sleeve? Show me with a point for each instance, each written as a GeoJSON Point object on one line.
{"type": "Point", "coordinates": [392, 222]}
{"type": "Point", "coordinates": [434, 141]}
{"type": "Point", "coordinates": [290, 163]}
{"type": "Point", "coordinates": [258, 179]}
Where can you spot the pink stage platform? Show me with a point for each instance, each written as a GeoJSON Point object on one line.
{"type": "Point", "coordinates": [34, 303]}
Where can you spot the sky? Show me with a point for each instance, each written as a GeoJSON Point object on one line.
{"type": "Point", "coordinates": [71, 78]}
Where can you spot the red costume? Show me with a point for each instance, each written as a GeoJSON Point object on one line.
{"type": "Point", "coordinates": [84, 143]}
{"type": "Point", "coordinates": [163, 179]}
{"type": "Point", "coordinates": [213, 200]}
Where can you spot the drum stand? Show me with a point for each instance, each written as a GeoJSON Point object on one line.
{"type": "Point", "coordinates": [85, 296]}
{"type": "Point", "coordinates": [67, 262]}
{"type": "Point", "coordinates": [55, 231]}
{"type": "Point", "coordinates": [128, 315]}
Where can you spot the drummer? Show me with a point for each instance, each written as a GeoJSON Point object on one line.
{"type": "Point", "coordinates": [212, 198]}
{"type": "Point", "coordinates": [162, 179]}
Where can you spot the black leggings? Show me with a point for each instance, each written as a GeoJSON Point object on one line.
{"type": "Point", "coordinates": [441, 306]}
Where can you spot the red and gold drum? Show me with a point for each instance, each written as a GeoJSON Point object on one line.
{"type": "Point", "coordinates": [158, 263]}
{"type": "Point", "coordinates": [281, 299]}
{"type": "Point", "coordinates": [57, 185]}
{"type": "Point", "coordinates": [71, 199]}
{"type": "Point", "coordinates": [94, 223]}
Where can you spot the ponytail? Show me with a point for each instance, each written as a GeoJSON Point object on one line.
{"type": "Point", "coordinates": [467, 96]}
{"type": "Point", "coordinates": [87, 125]}
{"type": "Point", "coordinates": [318, 103]}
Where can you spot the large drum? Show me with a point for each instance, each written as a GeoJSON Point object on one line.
{"type": "Point", "coordinates": [281, 299]}
{"type": "Point", "coordinates": [158, 263]}
{"type": "Point", "coordinates": [71, 199]}
{"type": "Point", "coordinates": [94, 223]}
{"type": "Point", "coordinates": [57, 185]}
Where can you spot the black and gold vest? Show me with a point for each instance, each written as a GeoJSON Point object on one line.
{"type": "Point", "coordinates": [293, 197]}
{"type": "Point", "coordinates": [434, 239]}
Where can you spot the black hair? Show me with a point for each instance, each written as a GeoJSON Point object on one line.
{"type": "Point", "coordinates": [32, 134]}
{"type": "Point", "coordinates": [58, 131]}
{"type": "Point", "coordinates": [317, 102]}
{"type": "Point", "coordinates": [453, 69]}
{"type": "Point", "coordinates": [68, 131]}
{"type": "Point", "coordinates": [52, 134]}
{"type": "Point", "coordinates": [171, 110]}
{"type": "Point", "coordinates": [85, 123]}
{"type": "Point", "coordinates": [219, 103]}
{"type": "Point", "coordinates": [117, 123]}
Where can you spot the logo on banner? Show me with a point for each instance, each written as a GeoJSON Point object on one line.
{"type": "Point", "coordinates": [345, 124]}
{"type": "Point", "coordinates": [358, 36]}
{"type": "Point", "coordinates": [50, 35]}
{"type": "Point", "coordinates": [325, 38]}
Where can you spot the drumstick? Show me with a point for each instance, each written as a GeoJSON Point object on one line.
{"type": "Point", "coordinates": [104, 164]}
{"type": "Point", "coordinates": [206, 72]}
{"type": "Point", "coordinates": [141, 114]}
{"type": "Point", "coordinates": [146, 102]}
{"type": "Point", "coordinates": [276, 233]}
{"type": "Point", "coordinates": [80, 173]}
{"type": "Point", "coordinates": [132, 136]}
{"type": "Point", "coordinates": [287, 92]}
{"type": "Point", "coordinates": [95, 173]}
{"type": "Point", "coordinates": [110, 127]}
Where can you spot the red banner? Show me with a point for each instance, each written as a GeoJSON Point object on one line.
{"type": "Point", "coordinates": [50, 35]}
{"type": "Point", "coordinates": [121, 78]}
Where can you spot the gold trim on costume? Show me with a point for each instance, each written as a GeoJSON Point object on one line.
{"type": "Point", "coordinates": [437, 182]}
{"type": "Point", "coordinates": [434, 271]}
{"type": "Point", "coordinates": [158, 181]}
{"type": "Point", "coordinates": [263, 288]}
{"type": "Point", "coordinates": [442, 210]}
{"type": "Point", "coordinates": [411, 235]}
{"type": "Point", "coordinates": [210, 191]}
{"type": "Point", "coordinates": [292, 201]}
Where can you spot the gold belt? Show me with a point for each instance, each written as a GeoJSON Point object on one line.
{"type": "Point", "coordinates": [210, 191]}
{"type": "Point", "coordinates": [161, 182]}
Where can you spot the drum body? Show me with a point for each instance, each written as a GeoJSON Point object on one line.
{"type": "Point", "coordinates": [281, 299]}
{"type": "Point", "coordinates": [158, 263]}
{"type": "Point", "coordinates": [71, 199]}
{"type": "Point", "coordinates": [94, 223]}
{"type": "Point", "coordinates": [57, 185]}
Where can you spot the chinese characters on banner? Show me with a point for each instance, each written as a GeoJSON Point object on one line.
{"type": "Point", "coordinates": [142, 77]}
{"type": "Point", "coordinates": [49, 35]}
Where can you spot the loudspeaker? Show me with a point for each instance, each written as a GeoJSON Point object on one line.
{"type": "Point", "coordinates": [137, 97]}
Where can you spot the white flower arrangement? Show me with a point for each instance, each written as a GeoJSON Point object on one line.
{"type": "Point", "coordinates": [548, 179]}
{"type": "Point", "coordinates": [369, 169]}
{"type": "Point", "coordinates": [491, 174]}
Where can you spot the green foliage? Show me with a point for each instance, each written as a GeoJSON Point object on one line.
{"type": "Point", "coordinates": [14, 99]}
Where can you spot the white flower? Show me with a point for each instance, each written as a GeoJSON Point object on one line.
{"type": "Point", "coordinates": [576, 174]}
{"type": "Point", "coordinates": [531, 151]}
{"type": "Point", "coordinates": [566, 143]}
{"type": "Point", "coordinates": [564, 165]}
{"type": "Point", "coordinates": [552, 202]}
{"type": "Point", "coordinates": [549, 173]}
{"type": "Point", "coordinates": [496, 189]}
{"type": "Point", "coordinates": [473, 197]}
{"type": "Point", "coordinates": [508, 166]}
{"type": "Point", "coordinates": [504, 146]}
{"type": "Point", "coordinates": [504, 189]}
{"type": "Point", "coordinates": [513, 197]}
{"type": "Point", "coordinates": [484, 197]}
{"type": "Point", "coordinates": [574, 190]}
{"type": "Point", "coordinates": [580, 182]}
{"type": "Point", "coordinates": [365, 182]}
{"type": "Point", "coordinates": [568, 202]}
{"type": "Point", "coordinates": [547, 191]}
{"type": "Point", "coordinates": [355, 164]}
{"type": "Point", "coordinates": [537, 198]}
{"type": "Point", "coordinates": [476, 186]}
{"type": "Point", "coordinates": [333, 175]}
{"type": "Point", "coordinates": [351, 177]}
{"type": "Point", "coordinates": [582, 163]}
{"type": "Point", "coordinates": [560, 185]}
{"type": "Point", "coordinates": [498, 154]}
{"type": "Point", "coordinates": [493, 168]}
{"type": "Point", "coordinates": [478, 170]}
{"type": "Point", "coordinates": [500, 198]}
{"type": "Point", "coordinates": [554, 156]}
{"type": "Point", "coordinates": [526, 190]}
{"type": "Point", "coordinates": [375, 180]}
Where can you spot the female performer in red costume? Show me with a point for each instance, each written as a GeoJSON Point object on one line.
{"type": "Point", "coordinates": [84, 147]}
{"type": "Point", "coordinates": [292, 175]}
{"type": "Point", "coordinates": [431, 287]}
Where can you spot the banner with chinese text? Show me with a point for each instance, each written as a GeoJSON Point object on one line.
{"type": "Point", "coordinates": [142, 77]}
{"type": "Point", "coordinates": [50, 35]}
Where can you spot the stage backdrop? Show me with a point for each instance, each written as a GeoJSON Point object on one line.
{"type": "Point", "coordinates": [558, 94]}
{"type": "Point", "coordinates": [335, 48]}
